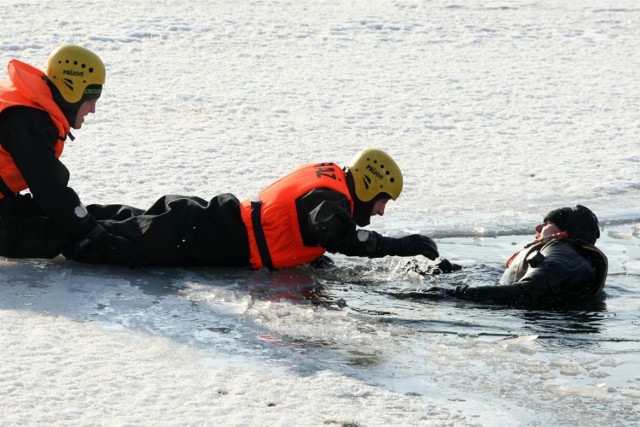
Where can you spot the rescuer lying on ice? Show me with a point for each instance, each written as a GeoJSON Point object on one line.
{"type": "Point", "coordinates": [314, 209]}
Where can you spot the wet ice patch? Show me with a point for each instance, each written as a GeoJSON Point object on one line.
{"type": "Point", "coordinates": [225, 301]}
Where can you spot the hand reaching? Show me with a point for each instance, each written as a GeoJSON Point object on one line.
{"type": "Point", "coordinates": [417, 244]}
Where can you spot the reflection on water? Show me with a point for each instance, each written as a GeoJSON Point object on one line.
{"type": "Point", "coordinates": [548, 367]}
{"type": "Point", "coordinates": [551, 323]}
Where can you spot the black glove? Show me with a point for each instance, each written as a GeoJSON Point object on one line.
{"type": "Point", "coordinates": [445, 266]}
{"type": "Point", "coordinates": [415, 244]}
{"type": "Point", "coordinates": [97, 246]}
{"type": "Point", "coordinates": [440, 266]}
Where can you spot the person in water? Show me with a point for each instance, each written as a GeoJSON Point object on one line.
{"type": "Point", "coordinates": [562, 265]}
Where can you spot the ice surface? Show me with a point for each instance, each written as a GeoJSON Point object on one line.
{"type": "Point", "coordinates": [497, 111]}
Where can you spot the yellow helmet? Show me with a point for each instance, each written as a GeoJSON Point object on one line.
{"type": "Point", "coordinates": [76, 71]}
{"type": "Point", "coordinates": [375, 172]}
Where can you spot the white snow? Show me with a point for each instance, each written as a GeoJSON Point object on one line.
{"type": "Point", "coordinates": [59, 372]}
{"type": "Point", "coordinates": [497, 111]}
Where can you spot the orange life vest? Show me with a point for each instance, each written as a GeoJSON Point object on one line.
{"type": "Point", "coordinates": [275, 240]}
{"type": "Point", "coordinates": [28, 88]}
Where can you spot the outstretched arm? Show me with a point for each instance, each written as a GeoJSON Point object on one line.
{"type": "Point", "coordinates": [326, 221]}
{"type": "Point", "coordinates": [557, 274]}
{"type": "Point", "coordinates": [513, 294]}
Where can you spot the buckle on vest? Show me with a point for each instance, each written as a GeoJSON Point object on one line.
{"type": "Point", "coordinates": [535, 260]}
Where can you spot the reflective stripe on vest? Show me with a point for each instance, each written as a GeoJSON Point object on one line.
{"type": "Point", "coordinates": [277, 220]}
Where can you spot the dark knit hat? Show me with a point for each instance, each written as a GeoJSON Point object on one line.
{"type": "Point", "coordinates": [578, 222]}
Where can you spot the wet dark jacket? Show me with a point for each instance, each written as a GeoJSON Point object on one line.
{"type": "Point", "coordinates": [551, 272]}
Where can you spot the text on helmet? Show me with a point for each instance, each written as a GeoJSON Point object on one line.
{"type": "Point", "coordinates": [375, 172]}
{"type": "Point", "coordinates": [73, 73]}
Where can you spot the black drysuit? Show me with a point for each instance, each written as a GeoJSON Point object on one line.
{"type": "Point", "coordinates": [190, 231]}
{"type": "Point", "coordinates": [181, 230]}
{"type": "Point", "coordinates": [35, 225]}
{"type": "Point", "coordinates": [29, 136]}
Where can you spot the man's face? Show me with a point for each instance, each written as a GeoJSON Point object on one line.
{"type": "Point", "coordinates": [85, 108]}
{"type": "Point", "coordinates": [378, 207]}
{"type": "Point", "coordinates": [546, 229]}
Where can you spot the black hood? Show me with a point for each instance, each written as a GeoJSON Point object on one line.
{"type": "Point", "coordinates": [69, 110]}
{"type": "Point", "coordinates": [362, 210]}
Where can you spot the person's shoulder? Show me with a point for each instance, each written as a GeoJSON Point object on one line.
{"type": "Point", "coordinates": [326, 194]}
{"type": "Point", "coordinates": [22, 114]}
{"type": "Point", "coordinates": [589, 251]}
{"type": "Point", "coordinates": [573, 252]}
{"type": "Point", "coordinates": [560, 248]}
{"type": "Point", "coordinates": [21, 125]}
{"type": "Point", "coordinates": [324, 198]}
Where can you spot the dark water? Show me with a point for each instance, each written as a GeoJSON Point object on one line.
{"type": "Point", "coordinates": [536, 367]}
{"type": "Point", "coordinates": [496, 365]}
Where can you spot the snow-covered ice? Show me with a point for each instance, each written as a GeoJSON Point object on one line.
{"type": "Point", "coordinates": [497, 111]}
